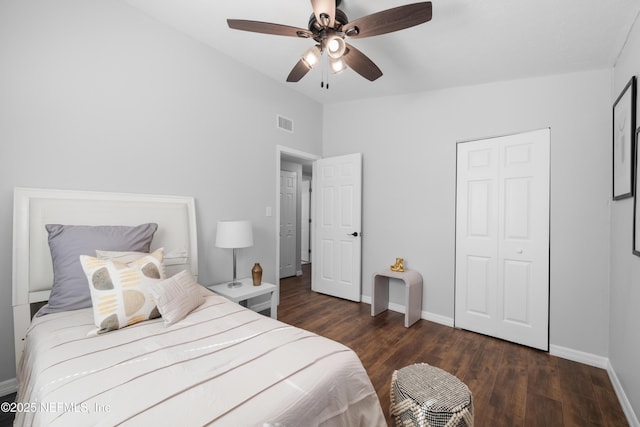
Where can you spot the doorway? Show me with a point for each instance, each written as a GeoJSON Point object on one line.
{"type": "Point", "coordinates": [288, 159]}
{"type": "Point", "coordinates": [336, 235]}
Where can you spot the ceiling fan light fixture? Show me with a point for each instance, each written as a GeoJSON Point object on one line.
{"type": "Point", "coordinates": [335, 47]}
{"type": "Point", "coordinates": [311, 56]}
{"type": "Point", "coordinates": [337, 65]}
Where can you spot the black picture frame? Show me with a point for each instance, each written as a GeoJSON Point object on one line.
{"type": "Point", "coordinates": [623, 140]}
{"type": "Point", "coordinates": [636, 209]}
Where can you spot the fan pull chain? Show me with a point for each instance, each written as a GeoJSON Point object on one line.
{"type": "Point", "coordinates": [325, 72]}
{"type": "Point", "coordinates": [321, 69]}
{"type": "Point", "coordinates": [326, 69]}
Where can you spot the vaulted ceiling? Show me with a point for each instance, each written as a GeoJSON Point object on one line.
{"type": "Point", "coordinates": [467, 42]}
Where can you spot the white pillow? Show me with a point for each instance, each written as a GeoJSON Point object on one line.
{"type": "Point", "coordinates": [119, 256]}
{"type": "Point", "coordinates": [177, 296]}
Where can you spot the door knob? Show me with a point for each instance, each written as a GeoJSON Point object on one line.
{"type": "Point", "coordinates": [354, 234]}
{"type": "Point", "coordinates": [519, 251]}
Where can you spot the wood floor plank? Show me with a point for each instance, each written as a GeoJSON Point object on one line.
{"type": "Point", "coordinates": [609, 406]}
{"type": "Point", "coordinates": [543, 375]}
{"type": "Point", "coordinates": [459, 353]}
{"type": "Point", "coordinates": [542, 411]}
{"type": "Point", "coordinates": [509, 395]}
{"type": "Point", "coordinates": [511, 385]}
{"type": "Point", "coordinates": [482, 372]}
{"type": "Point", "coordinates": [576, 381]}
{"type": "Point", "coordinates": [607, 399]}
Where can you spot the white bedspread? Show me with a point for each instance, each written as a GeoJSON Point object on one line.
{"type": "Point", "coordinates": [222, 365]}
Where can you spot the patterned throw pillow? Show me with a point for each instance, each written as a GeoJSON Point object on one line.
{"type": "Point", "coordinates": [120, 292]}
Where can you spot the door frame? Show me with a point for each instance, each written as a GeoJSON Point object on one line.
{"type": "Point", "coordinates": [305, 199]}
{"type": "Point", "coordinates": [292, 155]}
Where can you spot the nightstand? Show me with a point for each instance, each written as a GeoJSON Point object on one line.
{"type": "Point", "coordinates": [246, 291]}
{"type": "Point", "coordinates": [412, 296]}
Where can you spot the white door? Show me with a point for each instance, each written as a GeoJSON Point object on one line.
{"type": "Point", "coordinates": [288, 196]}
{"type": "Point", "coordinates": [336, 253]}
{"type": "Point", "coordinates": [502, 238]}
{"type": "Point", "coordinates": [305, 220]}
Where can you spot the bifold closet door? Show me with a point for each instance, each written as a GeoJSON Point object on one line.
{"type": "Point", "coordinates": [502, 238]}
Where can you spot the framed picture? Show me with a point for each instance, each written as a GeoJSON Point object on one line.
{"type": "Point", "coordinates": [624, 132]}
{"type": "Point", "coordinates": [636, 208]}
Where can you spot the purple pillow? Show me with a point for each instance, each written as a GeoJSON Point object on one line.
{"type": "Point", "coordinates": [70, 290]}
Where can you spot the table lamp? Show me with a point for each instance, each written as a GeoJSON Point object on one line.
{"type": "Point", "coordinates": [234, 235]}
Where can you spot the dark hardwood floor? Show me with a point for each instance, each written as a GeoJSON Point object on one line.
{"type": "Point", "coordinates": [6, 418]}
{"type": "Point", "coordinates": [511, 385]}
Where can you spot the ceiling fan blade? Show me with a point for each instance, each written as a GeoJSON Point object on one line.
{"type": "Point", "coordinates": [268, 28]}
{"type": "Point", "coordinates": [361, 63]}
{"type": "Point", "coordinates": [299, 70]}
{"type": "Point", "coordinates": [390, 20]}
{"type": "Point", "coordinates": [327, 7]}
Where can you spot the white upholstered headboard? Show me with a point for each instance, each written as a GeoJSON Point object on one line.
{"type": "Point", "coordinates": [33, 208]}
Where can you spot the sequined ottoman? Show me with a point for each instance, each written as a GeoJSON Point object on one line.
{"type": "Point", "coordinates": [426, 396]}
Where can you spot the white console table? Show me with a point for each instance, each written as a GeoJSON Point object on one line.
{"type": "Point", "coordinates": [413, 294]}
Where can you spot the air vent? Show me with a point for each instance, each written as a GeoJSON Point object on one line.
{"type": "Point", "coordinates": [285, 124]}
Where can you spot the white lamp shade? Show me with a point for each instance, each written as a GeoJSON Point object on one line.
{"type": "Point", "coordinates": [234, 234]}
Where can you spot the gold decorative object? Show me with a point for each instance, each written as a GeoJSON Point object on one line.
{"type": "Point", "coordinates": [399, 265]}
{"type": "Point", "coordinates": [256, 274]}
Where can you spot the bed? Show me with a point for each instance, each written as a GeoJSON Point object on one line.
{"type": "Point", "coordinates": [222, 364]}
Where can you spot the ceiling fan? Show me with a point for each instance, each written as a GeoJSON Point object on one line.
{"type": "Point", "coordinates": [329, 27]}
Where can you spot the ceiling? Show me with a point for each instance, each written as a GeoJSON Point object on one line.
{"type": "Point", "coordinates": [467, 42]}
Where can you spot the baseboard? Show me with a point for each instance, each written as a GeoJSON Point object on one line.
{"type": "Point", "coordinates": [8, 387]}
{"type": "Point", "coordinates": [632, 419]}
{"type": "Point", "coordinates": [579, 356]}
{"type": "Point", "coordinates": [437, 318]}
{"type": "Point", "coordinates": [399, 308]}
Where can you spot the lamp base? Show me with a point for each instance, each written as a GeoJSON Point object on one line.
{"type": "Point", "coordinates": [234, 284]}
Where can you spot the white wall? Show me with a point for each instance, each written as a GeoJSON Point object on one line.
{"type": "Point", "coordinates": [409, 153]}
{"type": "Point", "coordinates": [94, 95]}
{"type": "Point", "coordinates": [624, 341]}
